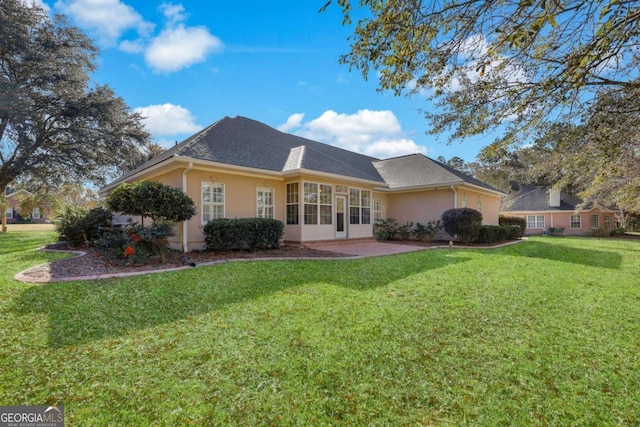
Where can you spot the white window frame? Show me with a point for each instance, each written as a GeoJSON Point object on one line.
{"type": "Point", "coordinates": [464, 202]}
{"type": "Point", "coordinates": [377, 210]}
{"type": "Point", "coordinates": [607, 222]}
{"type": "Point", "coordinates": [292, 199]}
{"type": "Point", "coordinates": [571, 221]}
{"type": "Point", "coordinates": [596, 222]}
{"type": "Point", "coordinates": [534, 222]}
{"type": "Point", "coordinates": [319, 197]}
{"type": "Point", "coordinates": [264, 209]}
{"type": "Point", "coordinates": [212, 204]}
{"type": "Point", "coordinates": [357, 201]}
{"type": "Point", "coordinates": [479, 204]}
{"type": "Point", "coordinates": [8, 213]}
{"type": "Point", "coordinates": [35, 213]}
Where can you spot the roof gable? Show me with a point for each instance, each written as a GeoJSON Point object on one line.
{"type": "Point", "coordinates": [418, 170]}
{"type": "Point", "coordinates": [529, 198]}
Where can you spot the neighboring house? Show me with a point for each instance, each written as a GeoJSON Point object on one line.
{"type": "Point", "coordinates": [12, 211]}
{"type": "Point", "coordinates": [544, 208]}
{"type": "Point", "coordinates": [238, 167]}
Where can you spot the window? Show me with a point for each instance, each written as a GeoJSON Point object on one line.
{"type": "Point", "coordinates": [9, 212]}
{"type": "Point", "coordinates": [377, 210]}
{"type": "Point", "coordinates": [479, 204]}
{"type": "Point", "coordinates": [464, 201]}
{"type": "Point", "coordinates": [35, 213]}
{"type": "Point", "coordinates": [594, 221]}
{"type": "Point", "coordinates": [212, 201]}
{"type": "Point", "coordinates": [359, 206]}
{"type": "Point", "coordinates": [264, 202]}
{"type": "Point", "coordinates": [326, 204]}
{"type": "Point", "coordinates": [575, 221]}
{"type": "Point", "coordinates": [607, 222]}
{"type": "Point", "coordinates": [293, 203]}
{"type": "Point", "coordinates": [535, 221]}
{"type": "Point", "coordinates": [310, 203]}
{"type": "Point", "coordinates": [318, 204]}
{"type": "Point", "coordinates": [342, 189]}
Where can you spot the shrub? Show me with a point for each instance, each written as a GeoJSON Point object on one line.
{"type": "Point", "coordinates": [498, 233]}
{"type": "Point", "coordinates": [617, 231]}
{"type": "Point", "coordinates": [555, 231]}
{"type": "Point", "coordinates": [462, 222]}
{"type": "Point", "coordinates": [514, 220]}
{"type": "Point", "coordinates": [385, 229]}
{"type": "Point", "coordinates": [430, 230]}
{"type": "Point", "coordinates": [404, 231]}
{"type": "Point", "coordinates": [79, 227]}
{"type": "Point", "coordinates": [134, 242]}
{"type": "Point", "coordinates": [149, 199]}
{"type": "Point", "coordinates": [242, 234]}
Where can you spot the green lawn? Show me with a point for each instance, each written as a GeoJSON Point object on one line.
{"type": "Point", "coordinates": [546, 332]}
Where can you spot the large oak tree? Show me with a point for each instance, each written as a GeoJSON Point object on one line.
{"type": "Point", "coordinates": [485, 64]}
{"type": "Point", "coordinates": [55, 125]}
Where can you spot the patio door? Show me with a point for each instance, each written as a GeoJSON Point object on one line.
{"type": "Point", "coordinates": [341, 217]}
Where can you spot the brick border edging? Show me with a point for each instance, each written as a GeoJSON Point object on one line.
{"type": "Point", "coordinates": [21, 277]}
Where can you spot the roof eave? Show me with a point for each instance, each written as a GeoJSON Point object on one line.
{"type": "Point", "coordinates": [303, 171]}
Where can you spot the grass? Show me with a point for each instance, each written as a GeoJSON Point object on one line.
{"type": "Point", "coordinates": [540, 333]}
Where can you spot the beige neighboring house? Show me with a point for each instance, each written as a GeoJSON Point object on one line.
{"type": "Point", "coordinates": [546, 208]}
{"type": "Point", "coordinates": [238, 167]}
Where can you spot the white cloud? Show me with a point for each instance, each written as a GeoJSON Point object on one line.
{"type": "Point", "coordinates": [109, 19]}
{"type": "Point", "coordinates": [164, 120]}
{"type": "Point", "coordinates": [176, 47]}
{"type": "Point", "coordinates": [180, 47]}
{"type": "Point", "coordinates": [294, 121]}
{"type": "Point", "coordinates": [374, 133]}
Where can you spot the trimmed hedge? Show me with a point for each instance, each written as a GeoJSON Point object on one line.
{"type": "Point", "coordinates": [462, 222]}
{"type": "Point", "coordinates": [225, 234]}
{"type": "Point", "coordinates": [514, 220]}
{"type": "Point", "coordinates": [498, 233]}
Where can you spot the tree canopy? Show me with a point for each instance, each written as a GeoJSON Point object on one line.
{"type": "Point", "coordinates": [55, 125]}
{"type": "Point", "coordinates": [484, 64]}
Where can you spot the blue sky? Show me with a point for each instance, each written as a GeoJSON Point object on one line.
{"type": "Point", "coordinates": [185, 65]}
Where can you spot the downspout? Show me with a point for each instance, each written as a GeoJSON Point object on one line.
{"type": "Point", "coordinates": [455, 197]}
{"type": "Point", "coordinates": [185, 244]}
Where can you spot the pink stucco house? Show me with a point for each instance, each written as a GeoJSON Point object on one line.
{"type": "Point", "coordinates": [238, 167]}
{"type": "Point", "coordinates": [546, 208]}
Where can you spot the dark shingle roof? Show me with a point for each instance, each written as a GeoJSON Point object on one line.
{"type": "Point", "coordinates": [418, 170]}
{"type": "Point", "coordinates": [530, 199]}
{"type": "Point", "coordinates": [244, 142]}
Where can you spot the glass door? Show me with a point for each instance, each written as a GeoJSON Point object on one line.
{"type": "Point", "coordinates": [341, 217]}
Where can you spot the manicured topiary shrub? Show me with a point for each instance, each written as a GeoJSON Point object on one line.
{"type": "Point", "coordinates": [242, 234]}
{"type": "Point", "coordinates": [149, 199]}
{"type": "Point", "coordinates": [463, 223]}
{"type": "Point", "coordinates": [514, 220]}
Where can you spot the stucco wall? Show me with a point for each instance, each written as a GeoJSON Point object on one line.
{"type": "Point", "coordinates": [489, 206]}
{"type": "Point", "coordinates": [419, 206]}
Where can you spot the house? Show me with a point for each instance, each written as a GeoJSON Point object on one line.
{"type": "Point", "coordinates": [12, 211]}
{"type": "Point", "coordinates": [238, 167]}
{"type": "Point", "coordinates": [545, 208]}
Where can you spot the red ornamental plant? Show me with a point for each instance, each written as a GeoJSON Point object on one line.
{"type": "Point", "coordinates": [129, 251]}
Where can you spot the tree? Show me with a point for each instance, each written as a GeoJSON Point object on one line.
{"type": "Point", "coordinates": [484, 64]}
{"type": "Point", "coordinates": [150, 199]}
{"type": "Point", "coordinates": [55, 126]}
